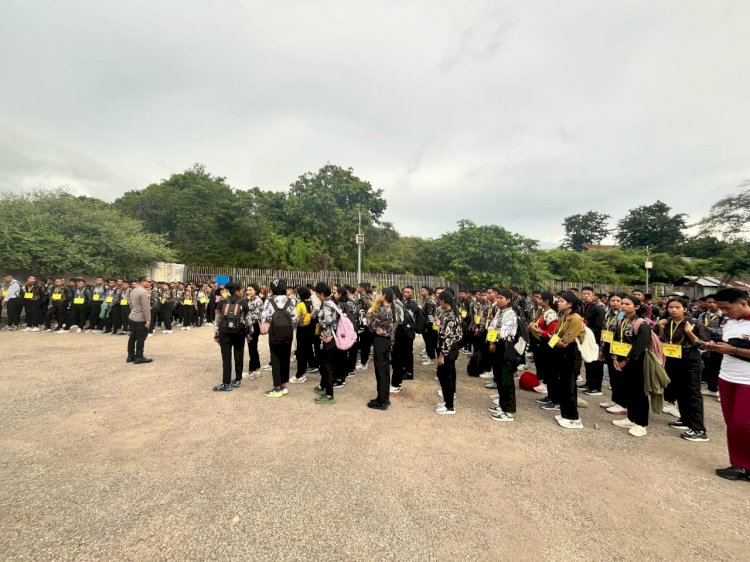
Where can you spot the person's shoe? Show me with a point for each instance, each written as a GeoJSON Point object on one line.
{"type": "Point", "coordinates": [570, 424]}
{"type": "Point", "coordinates": [591, 392]}
{"type": "Point", "coordinates": [34, 330]}
{"type": "Point", "coordinates": [579, 378]}
{"type": "Point", "coordinates": [495, 410]}
{"type": "Point", "coordinates": [582, 387]}
{"type": "Point", "coordinates": [222, 388]}
{"type": "Point", "coordinates": [284, 390]}
{"type": "Point", "coordinates": [487, 375]}
{"type": "Point", "coordinates": [394, 389]}
{"type": "Point", "coordinates": [408, 376]}
{"type": "Point", "coordinates": [491, 384]}
{"type": "Point", "coordinates": [671, 409]}
{"type": "Point", "coordinates": [549, 406]}
{"type": "Point", "coordinates": [541, 388]}
{"type": "Point", "coordinates": [440, 393]}
{"type": "Point", "coordinates": [624, 422]}
{"type": "Point", "coordinates": [188, 328]}
{"type": "Point", "coordinates": [130, 359]}
{"type": "Point", "coordinates": [503, 417]}
{"type": "Point", "coordinates": [544, 400]}
{"type": "Point", "coordinates": [637, 431]}
{"type": "Point", "coordinates": [377, 405]}
{"type": "Point", "coordinates": [617, 410]}
{"type": "Point", "coordinates": [692, 435]}
{"type": "Point", "coordinates": [167, 332]}
{"type": "Point", "coordinates": [495, 401]}
{"type": "Point", "coordinates": [26, 329]}
{"type": "Point", "coordinates": [325, 400]}
{"type": "Point", "coordinates": [266, 368]}
{"type": "Point", "coordinates": [150, 335]}
{"type": "Point", "coordinates": [361, 366]}
{"type": "Point", "coordinates": [319, 390]}
{"type": "Point", "coordinates": [312, 370]}
{"type": "Point", "coordinates": [522, 367]}
{"type": "Point", "coordinates": [339, 384]}
{"type": "Point", "coordinates": [443, 411]}
{"type": "Point", "coordinates": [353, 373]}
{"type": "Point", "coordinates": [142, 360]}
{"type": "Point", "coordinates": [706, 392]}
{"type": "Point", "coordinates": [236, 383]}
{"type": "Point", "coordinates": [733, 473]}
{"type": "Point", "coordinates": [606, 405]}
{"type": "Point", "coordinates": [678, 425]}
{"type": "Point", "coordinates": [273, 393]}
{"type": "Point", "coordinates": [47, 330]}
{"type": "Point", "coordinates": [428, 362]}
{"type": "Point", "coordinates": [493, 396]}
{"type": "Point", "coordinates": [298, 380]}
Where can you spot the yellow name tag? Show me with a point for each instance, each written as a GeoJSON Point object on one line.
{"type": "Point", "coordinates": [224, 294]}
{"type": "Point", "coordinates": [477, 319]}
{"type": "Point", "coordinates": [463, 314]}
{"type": "Point", "coordinates": [553, 340]}
{"type": "Point", "coordinates": [621, 349]}
{"type": "Point", "coordinates": [204, 300]}
{"type": "Point", "coordinates": [108, 299]}
{"type": "Point", "coordinates": [317, 330]}
{"type": "Point", "coordinates": [436, 327]}
{"type": "Point", "coordinates": [188, 302]}
{"type": "Point", "coordinates": [78, 300]}
{"type": "Point", "coordinates": [492, 336]}
{"type": "Point", "coordinates": [56, 297]}
{"type": "Point", "coordinates": [163, 300]}
{"type": "Point", "coordinates": [28, 295]}
{"type": "Point", "coordinates": [608, 336]}
{"type": "Point", "coordinates": [123, 302]}
{"type": "Point", "coordinates": [5, 293]}
{"type": "Point", "coordinates": [672, 350]}
{"type": "Point", "coordinates": [96, 297]}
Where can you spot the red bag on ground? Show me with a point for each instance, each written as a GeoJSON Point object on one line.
{"type": "Point", "coordinates": [528, 381]}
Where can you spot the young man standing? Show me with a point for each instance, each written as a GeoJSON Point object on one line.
{"type": "Point", "coordinates": [593, 316]}
{"type": "Point", "coordinates": [327, 321]}
{"type": "Point", "coordinates": [13, 300]}
{"type": "Point", "coordinates": [429, 334]}
{"type": "Point", "coordinates": [79, 310]}
{"type": "Point", "coordinates": [139, 320]}
{"type": "Point", "coordinates": [98, 294]}
{"type": "Point", "coordinates": [32, 304]}
{"type": "Point", "coordinates": [712, 319]}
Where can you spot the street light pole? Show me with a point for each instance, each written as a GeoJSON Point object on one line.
{"type": "Point", "coordinates": [360, 242]}
{"type": "Point", "coordinates": [649, 264]}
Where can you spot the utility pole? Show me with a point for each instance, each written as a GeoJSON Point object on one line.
{"type": "Point", "coordinates": [649, 264]}
{"type": "Point", "coordinates": [360, 243]}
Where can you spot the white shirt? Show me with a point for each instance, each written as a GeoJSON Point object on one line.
{"type": "Point", "coordinates": [735, 370]}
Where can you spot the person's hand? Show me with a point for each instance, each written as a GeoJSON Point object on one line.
{"type": "Point", "coordinates": [148, 324]}
{"type": "Point", "coordinates": [441, 359]}
{"type": "Point", "coordinates": [689, 329]}
{"type": "Point", "coordinates": [249, 338]}
{"type": "Point", "coordinates": [380, 331]}
{"type": "Point", "coordinates": [492, 348]}
{"type": "Point", "coordinates": [216, 339]}
{"type": "Point", "coordinates": [561, 344]}
{"type": "Point", "coordinates": [719, 347]}
{"type": "Point", "coordinates": [663, 323]}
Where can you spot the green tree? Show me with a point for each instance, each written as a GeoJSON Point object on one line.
{"type": "Point", "coordinates": [729, 217]}
{"type": "Point", "coordinates": [323, 208]}
{"type": "Point", "coordinates": [702, 247]}
{"type": "Point", "coordinates": [653, 226]}
{"type": "Point", "coordinates": [586, 228]}
{"type": "Point", "coordinates": [51, 232]}
{"type": "Point", "coordinates": [484, 255]}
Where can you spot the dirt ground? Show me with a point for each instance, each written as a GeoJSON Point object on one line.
{"type": "Point", "coordinates": [100, 459]}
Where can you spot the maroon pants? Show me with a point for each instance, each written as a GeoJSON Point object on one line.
{"type": "Point", "coordinates": [735, 405]}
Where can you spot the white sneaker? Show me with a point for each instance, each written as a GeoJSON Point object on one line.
{"type": "Point", "coordinates": [541, 388]}
{"type": "Point", "coordinates": [617, 410]}
{"type": "Point", "coordinates": [361, 366]}
{"type": "Point", "coordinates": [443, 411]}
{"type": "Point", "coordinates": [78, 330]}
{"type": "Point", "coordinates": [149, 336]}
{"type": "Point", "coordinates": [486, 376]}
{"type": "Point", "coordinates": [394, 389]}
{"type": "Point", "coordinates": [299, 380]}
{"type": "Point", "coordinates": [428, 362]}
{"type": "Point", "coordinates": [496, 401]}
{"type": "Point", "coordinates": [266, 368]}
{"type": "Point", "coordinates": [503, 417]}
{"type": "Point", "coordinates": [671, 409]}
{"type": "Point", "coordinates": [523, 367]}
{"type": "Point", "coordinates": [637, 431]}
{"type": "Point", "coordinates": [187, 329]}
{"type": "Point", "coordinates": [606, 405]}
{"type": "Point", "coordinates": [34, 330]}
{"type": "Point", "coordinates": [624, 422]}
{"type": "Point", "coordinates": [47, 330]}
{"type": "Point", "coordinates": [26, 329]}
{"type": "Point", "coordinates": [579, 378]}
{"type": "Point", "coordinates": [167, 331]}
{"type": "Point", "coordinates": [495, 410]}
{"type": "Point", "coordinates": [255, 374]}
{"type": "Point", "coordinates": [706, 392]}
{"type": "Point", "coordinates": [570, 424]}
{"type": "Point", "coordinates": [494, 396]}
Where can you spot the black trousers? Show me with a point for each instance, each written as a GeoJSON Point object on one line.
{"type": "Point", "coordinates": [447, 376]}
{"type": "Point", "coordinates": [685, 375]}
{"type": "Point", "coordinates": [430, 337]}
{"type": "Point", "coordinates": [637, 400]}
{"type": "Point", "coordinates": [382, 357]}
{"type": "Point", "coordinates": [594, 374]}
{"type": "Point", "coordinates": [137, 339]}
{"type": "Point", "coordinates": [351, 357]}
{"type": "Point", "coordinates": [33, 310]}
{"type": "Point", "coordinates": [281, 353]}
{"type": "Point", "coordinates": [58, 311]}
{"type": "Point", "coordinates": [503, 368]}
{"type": "Point", "coordinates": [201, 314]}
{"type": "Point", "coordinates": [304, 349]}
{"type": "Point", "coordinates": [14, 311]}
{"type": "Point", "coordinates": [210, 311]}
{"type": "Point", "coordinates": [403, 357]}
{"type": "Point", "coordinates": [78, 315]}
{"type": "Point", "coordinates": [316, 343]}
{"type": "Point", "coordinates": [231, 344]}
{"type": "Point", "coordinates": [365, 342]}
{"type": "Point", "coordinates": [187, 315]}
{"type": "Point", "coordinates": [565, 360]}
{"type": "Point", "coordinates": [252, 349]}
{"type": "Point", "coordinates": [711, 369]}
{"type": "Point", "coordinates": [116, 318]}
{"type": "Point", "coordinates": [616, 380]}
{"type": "Point", "coordinates": [154, 319]}
{"type": "Point", "coordinates": [325, 362]}
{"type": "Point", "coordinates": [125, 315]}
{"type": "Point", "coordinates": [95, 323]}
{"type": "Point", "coordinates": [166, 310]}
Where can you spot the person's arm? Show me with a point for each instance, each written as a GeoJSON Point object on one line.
{"type": "Point", "coordinates": [509, 326]}
{"type": "Point", "coordinates": [549, 329]}
{"type": "Point", "coordinates": [641, 342]}
{"type": "Point", "coordinates": [574, 328]}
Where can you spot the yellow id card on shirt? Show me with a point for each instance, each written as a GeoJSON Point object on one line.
{"type": "Point", "coordinates": [672, 350]}
{"type": "Point", "coordinates": [621, 349]}
{"type": "Point", "coordinates": [5, 293]}
{"type": "Point", "coordinates": [96, 297]}
{"type": "Point", "coordinates": [108, 299]}
{"type": "Point", "coordinates": [492, 336]}
{"type": "Point", "coordinates": [28, 295]}
{"type": "Point", "coordinates": [123, 302]}
{"type": "Point", "coordinates": [436, 327]}
{"type": "Point", "coordinates": [553, 340]}
{"type": "Point", "coordinates": [188, 302]}
{"type": "Point", "coordinates": [78, 300]}
{"type": "Point", "coordinates": [477, 319]}
{"type": "Point", "coordinates": [317, 330]}
{"type": "Point", "coordinates": [203, 300]}
{"type": "Point", "coordinates": [608, 336]}
{"type": "Point", "coordinates": [56, 297]}
{"type": "Point", "coordinates": [463, 314]}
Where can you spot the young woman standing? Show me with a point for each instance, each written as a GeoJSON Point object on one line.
{"type": "Point", "coordinates": [681, 340]}
{"type": "Point", "coordinates": [543, 329]}
{"type": "Point", "coordinates": [304, 334]}
{"type": "Point", "coordinates": [618, 404]}
{"type": "Point", "coordinates": [564, 358]}
{"type": "Point", "coordinates": [500, 337]}
{"type": "Point", "coordinates": [449, 337]}
{"type": "Point", "coordinates": [255, 304]}
{"type": "Point", "coordinates": [381, 323]}
{"type": "Point", "coordinates": [631, 339]}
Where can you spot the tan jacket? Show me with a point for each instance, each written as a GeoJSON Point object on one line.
{"type": "Point", "coordinates": [140, 305]}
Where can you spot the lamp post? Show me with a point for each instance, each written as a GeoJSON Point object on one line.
{"type": "Point", "coordinates": [360, 243]}
{"type": "Point", "coordinates": [649, 265]}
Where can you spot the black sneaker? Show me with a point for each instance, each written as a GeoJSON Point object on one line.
{"type": "Point", "coordinates": [733, 473]}
{"type": "Point", "coordinates": [339, 384]}
{"type": "Point", "coordinates": [130, 359]}
{"type": "Point", "coordinates": [583, 387]}
{"type": "Point", "coordinates": [142, 360]}
{"type": "Point", "coordinates": [677, 425]}
{"type": "Point", "coordinates": [377, 405]}
{"type": "Point", "coordinates": [544, 400]}
{"type": "Point", "coordinates": [236, 383]}
{"type": "Point", "coordinates": [223, 387]}
{"type": "Point", "coordinates": [551, 407]}
{"type": "Point", "coordinates": [692, 435]}
{"type": "Point", "coordinates": [591, 392]}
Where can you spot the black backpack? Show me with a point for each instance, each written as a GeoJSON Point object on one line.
{"type": "Point", "coordinates": [409, 324]}
{"type": "Point", "coordinates": [281, 329]}
{"type": "Point", "coordinates": [420, 321]}
{"type": "Point", "coordinates": [232, 321]}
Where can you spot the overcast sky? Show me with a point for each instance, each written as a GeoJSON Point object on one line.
{"type": "Point", "coordinates": [513, 113]}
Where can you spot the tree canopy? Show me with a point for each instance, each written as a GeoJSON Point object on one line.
{"type": "Point", "coordinates": [652, 226]}
{"type": "Point", "coordinates": [585, 228]}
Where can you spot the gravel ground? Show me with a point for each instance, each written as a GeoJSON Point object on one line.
{"type": "Point", "coordinates": [100, 459]}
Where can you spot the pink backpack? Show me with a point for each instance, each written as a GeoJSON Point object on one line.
{"type": "Point", "coordinates": [655, 345]}
{"type": "Point", "coordinates": [345, 334]}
